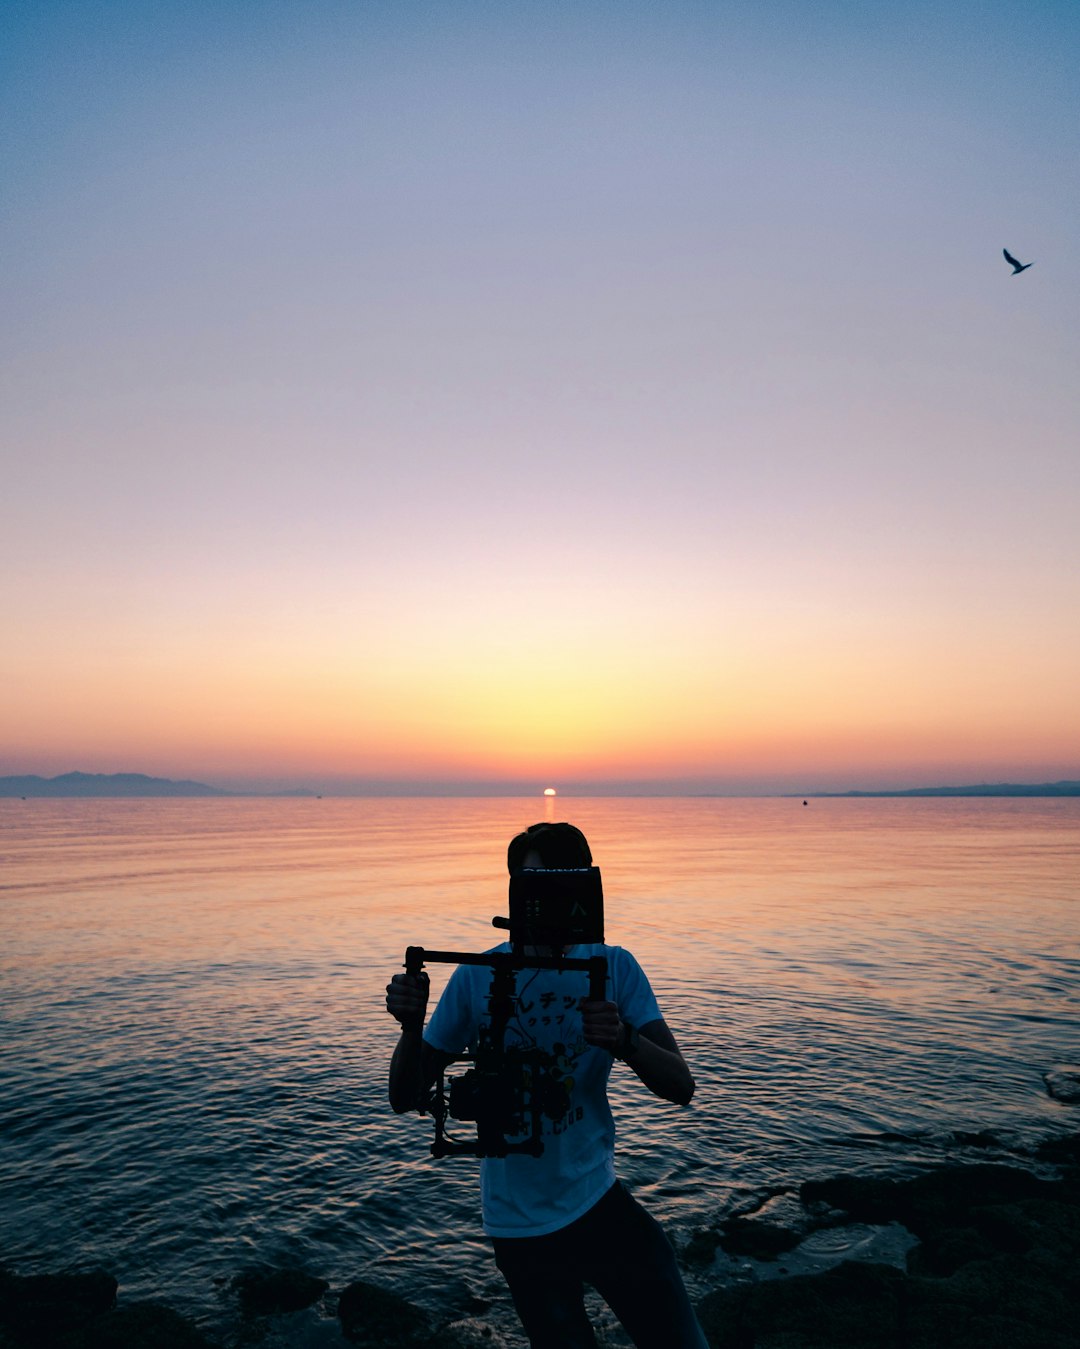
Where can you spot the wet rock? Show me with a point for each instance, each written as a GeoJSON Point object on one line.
{"type": "Point", "coordinates": [376, 1318]}
{"type": "Point", "coordinates": [36, 1309]}
{"type": "Point", "coordinates": [1008, 1302]}
{"type": "Point", "coordinates": [469, 1295]}
{"type": "Point", "coordinates": [925, 1202]}
{"type": "Point", "coordinates": [765, 1225]}
{"type": "Point", "coordinates": [264, 1291]}
{"type": "Point", "coordinates": [470, 1334]}
{"type": "Point", "coordinates": [700, 1248]}
{"type": "Point", "coordinates": [981, 1138]}
{"type": "Point", "coordinates": [1005, 1226]}
{"type": "Point", "coordinates": [854, 1306]}
{"type": "Point", "coordinates": [1063, 1152]}
{"type": "Point", "coordinates": [997, 1267]}
{"type": "Point", "coordinates": [139, 1325]}
{"type": "Point", "coordinates": [944, 1252]}
{"type": "Point", "coordinates": [760, 1240]}
{"type": "Point", "coordinates": [78, 1311]}
{"type": "Point", "coordinates": [1063, 1083]}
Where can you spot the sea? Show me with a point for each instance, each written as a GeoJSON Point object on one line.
{"type": "Point", "coordinates": [194, 1042]}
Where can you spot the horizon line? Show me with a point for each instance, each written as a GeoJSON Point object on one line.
{"type": "Point", "coordinates": [142, 784]}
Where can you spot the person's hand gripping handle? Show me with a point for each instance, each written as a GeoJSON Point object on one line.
{"type": "Point", "coordinates": [407, 994]}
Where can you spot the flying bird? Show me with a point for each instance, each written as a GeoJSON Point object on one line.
{"type": "Point", "coordinates": [1017, 267]}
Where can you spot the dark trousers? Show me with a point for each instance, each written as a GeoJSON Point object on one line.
{"type": "Point", "coordinates": [623, 1253]}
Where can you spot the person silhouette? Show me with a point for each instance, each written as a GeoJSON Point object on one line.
{"type": "Point", "coordinates": [563, 1220]}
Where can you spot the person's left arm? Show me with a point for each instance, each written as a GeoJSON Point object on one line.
{"type": "Point", "coordinates": [655, 1057]}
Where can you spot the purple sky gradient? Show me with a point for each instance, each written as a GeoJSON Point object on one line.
{"type": "Point", "coordinates": [374, 374]}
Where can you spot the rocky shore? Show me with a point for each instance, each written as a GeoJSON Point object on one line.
{"type": "Point", "coordinates": [992, 1262]}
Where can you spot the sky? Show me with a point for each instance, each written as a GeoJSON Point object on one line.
{"type": "Point", "coordinates": [613, 396]}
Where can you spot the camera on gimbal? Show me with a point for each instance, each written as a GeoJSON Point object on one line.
{"type": "Point", "coordinates": [510, 1090]}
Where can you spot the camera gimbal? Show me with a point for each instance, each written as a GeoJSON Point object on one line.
{"type": "Point", "coordinates": [510, 1090]}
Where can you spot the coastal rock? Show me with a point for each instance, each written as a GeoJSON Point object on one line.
{"type": "Point", "coordinates": [765, 1226]}
{"type": "Point", "coordinates": [962, 1215]}
{"type": "Point", "coordinates": [996, 1268]}
{"type": "Point", "coordinates": [978, 1138]}
{"type": "Point", "coordinates": [854, 1306]}
{"type": "Point", "coordinates": [739, 1236]}
{"type": "Point", "coordinates": [38, 1308]}
{"type": "Point", "coordinates": [760, 1240]}
{"type": "Point", "coordinates": [138, 1325]}
{"type": "Point", "coordinates": [1063, 1152]}
{"type": "Point", "coordinates": [264, 1291]}
{"type": "Point", "coordinates": [700, 1249]}
{"type": "Point", "coordinates": [470, 1334]}
{"type": "Point", "coordinates": [1004, 1303]}
{"type": "Point", "coordinates": [78, 1311]}
{"type": "Point", "coordinates": [376, 1318]}
{"type": "Point", "coordinates": [1063, 1083]}
{"type": "Point", "coordinates": [924, 1203]}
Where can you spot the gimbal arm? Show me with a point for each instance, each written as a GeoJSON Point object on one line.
{"type": "Point", "coordinates": [416, 957]}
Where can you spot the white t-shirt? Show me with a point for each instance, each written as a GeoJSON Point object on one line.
{"type": "Point", "coordinates": [524, 1196]}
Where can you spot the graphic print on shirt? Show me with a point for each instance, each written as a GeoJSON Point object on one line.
{"type": "Point", "coordinates": [550, 1022]}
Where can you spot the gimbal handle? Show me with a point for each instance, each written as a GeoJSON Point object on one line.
{"type": "Point", "coordinates": [417, 956]}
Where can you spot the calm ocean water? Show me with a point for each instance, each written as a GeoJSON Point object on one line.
{"type": "Point", "coordinates": [194, 1045]}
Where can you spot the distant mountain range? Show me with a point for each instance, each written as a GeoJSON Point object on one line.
{"type": "Point", "coordinates": [116, 784]}
{"type": "Point", "coordinates": [138, 784]}
{"type": "Point", "coordinates": [1064, 788]}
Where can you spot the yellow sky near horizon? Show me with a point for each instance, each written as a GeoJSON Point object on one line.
{"type": "Point", "coordinates": [546, 686]}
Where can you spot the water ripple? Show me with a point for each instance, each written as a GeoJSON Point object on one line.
{"type": "Point", "coordinates": [194, 1048]}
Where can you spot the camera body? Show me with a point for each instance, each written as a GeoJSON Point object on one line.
{"type": "Point", "coordinates": [508, 1094]}
{"type": "Point", "coordinates": [555, 907]}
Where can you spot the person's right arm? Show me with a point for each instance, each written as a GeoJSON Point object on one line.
{"type": "Point", "coordinates": [416, 1064]}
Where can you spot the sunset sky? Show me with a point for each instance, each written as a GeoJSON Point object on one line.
{"type": "Point", "coordinates": [605, 394]}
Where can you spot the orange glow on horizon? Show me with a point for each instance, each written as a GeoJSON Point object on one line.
{"type": "Point", "coordinates": [811, 690]}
